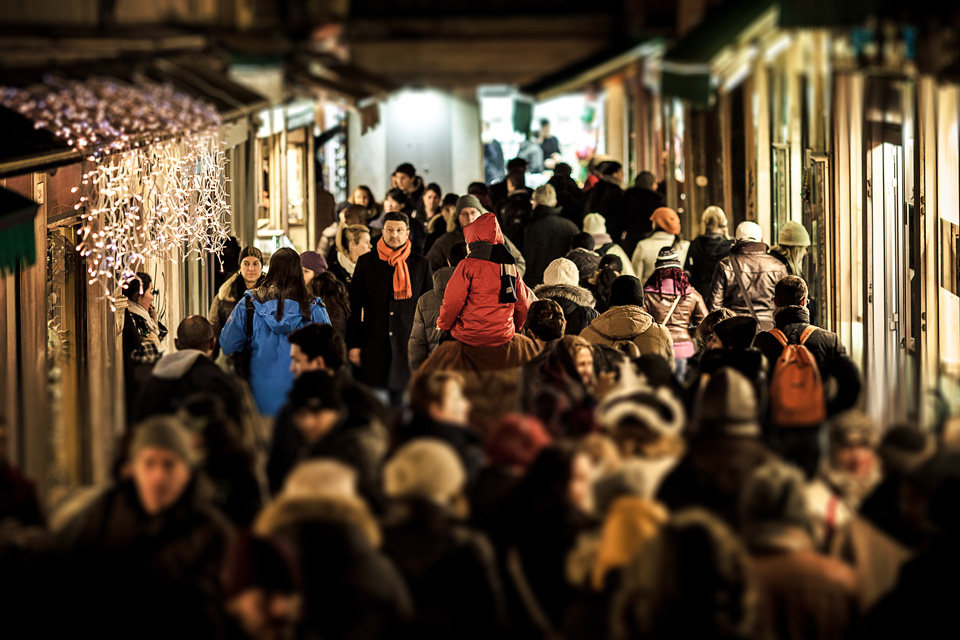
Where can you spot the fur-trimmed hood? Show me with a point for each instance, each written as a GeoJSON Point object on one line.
{"type": "Point", "coordinates": [225, 292]}
{"type": "Point", "coordinates": [285, 512]}
{"type": "Point", "coordinates": [575, 294]}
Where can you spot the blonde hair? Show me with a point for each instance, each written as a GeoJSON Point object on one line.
{"type": "Point", "coordinates": [714, 220]}
{"type": "Point", "coordinates": [348, 234]}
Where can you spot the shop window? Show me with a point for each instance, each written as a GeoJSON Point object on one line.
{"type": "Point", "coordinates": [66, 339]}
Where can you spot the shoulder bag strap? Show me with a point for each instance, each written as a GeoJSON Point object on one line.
{"type": "Point", "coordinates": [248, 303]}
{"type": "Point", "coordinates": [673, 308]}
{"type": "Point", "coordinates": [743, 290]}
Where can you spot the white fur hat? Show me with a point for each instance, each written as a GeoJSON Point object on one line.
{"type": "Point", "coordinates": [561, 271]}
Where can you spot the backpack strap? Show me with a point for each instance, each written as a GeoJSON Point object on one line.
{"type": "Point", "coordinates": [248, 303]}
{"type": "Point", "coordinates": [743, 290]}
{"type": "Point", "coordinates": [807, 333]}
{"type": "Point", "coordinates": [780, 336]}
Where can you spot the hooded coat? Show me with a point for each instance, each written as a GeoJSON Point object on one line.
{"type": "Point", "coordinates": [761, 273]}
{"type": "Point", "coordinates": [439, 253]}
{"type": "Point", "coordinates": [546, 238]}
{"type": "Point", "coordinates": [180, 374]}
{"type": "Point", "coordinates": [223, 304]}
{"type": "Point", "coordinates": [472, 311]}
{"type": "Point", "coordinates": [705, 252]}
{"type": "Point", "coordinates": [630, 323]}
{"type": "Point", "coordinates": [270, 375]}
{"type": "Point", "coordinates": [350, 589]}
{"type": "Point", "coordinates": [380, 325]}
{"type": "Point", "coordinates": [576, 302]}
{"type": "Point", "coordinates": [425, 336]}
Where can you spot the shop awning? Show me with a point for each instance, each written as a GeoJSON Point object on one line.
{"type": "Point", "coordinates": [231, 99]}
{"type": "Point", "coordinates": [593, 68]}
{"type": "Point", "coordinates": [26, 148]}
{"type": "Point", "coordinates": [693, 67]}
{"type": "Point", "coordinates": [329, 75]}
{"type": "Point", "coordinates": [18, 246]}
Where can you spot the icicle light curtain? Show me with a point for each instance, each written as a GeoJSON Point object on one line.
{"type": "Point", "coordinates": [153, 179]}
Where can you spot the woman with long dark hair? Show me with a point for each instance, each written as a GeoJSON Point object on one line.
{"type": "Point", "coordinates": [610, 268]}
{"type": "Point", "coordinates": [142, 334]}
{"type": "Point", "coordinates": [261, 324]}
{"type": "Point", "coordinates": [249, 276]}
{"type": "Point", "coordinates": [335, 297]}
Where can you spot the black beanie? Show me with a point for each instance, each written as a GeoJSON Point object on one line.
{"type": "Point", "coordinates": [626, 290]}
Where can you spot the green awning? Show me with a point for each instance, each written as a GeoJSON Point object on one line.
{"type": "Point", "coordinates": [17, 242]}
{"type": "Point", "coordinates": [687, 71]}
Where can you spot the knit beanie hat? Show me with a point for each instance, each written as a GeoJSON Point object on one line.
{"type": "Point", "coordinates": [313, 261]}
{"type": "Point", "coordinates": [666, 219]}
{"type": "Point", "coordinates": [561, 271]}
{"type": "Point", "coordinates": [668, 257]}
{"type": "Point", "coordinates": [163, 432]}
{"type": "Point", "coordinates": [516, 441]}
{"type": "Point", "coordinates": [425, 467]}
{"type": "Point", "coordinates": [594, 224]}
{"type": "Point", "coordinates": [626, 290]}
{"type": "Point", "coordinates": [774, 494]}
{"type": "Point", "coordinates": [854, 428]}
{"type": "Point", "coordinates": [727, 404]}
{"type": "Point", "coordinates": [251, 251]}
{"type": "Point", "coordinates": [313, 391]}
{"type": "Point", "coordinates": [793, 234]}
{"type": "Point", "coordinates": [468, 202]}
{"type": "Point", "coordinates": [321, 478]}
{"type": "Point", "coordinates": [748, 230]}
{"type": "Point", "coordinates": [904, 448]}
{"type": "Point", "coordinates": [253, 562]}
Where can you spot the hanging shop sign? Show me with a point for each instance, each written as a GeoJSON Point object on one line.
{"type": "Point", "coordinates": [153, 179]}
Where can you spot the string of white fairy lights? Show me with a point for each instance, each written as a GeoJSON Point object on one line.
{"type": "Point", "coordinates": [153, 184]}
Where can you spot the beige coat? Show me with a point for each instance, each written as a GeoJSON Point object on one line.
{"type": "Point", "coordinates": [629, 323]}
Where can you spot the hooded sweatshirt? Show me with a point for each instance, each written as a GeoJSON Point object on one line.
{"type": "Point", "coordinates": [270, 375]}
{"type": "Point", "coordinates": [425, 336]}
{"type": "Point", "coordinates": [475, 307]}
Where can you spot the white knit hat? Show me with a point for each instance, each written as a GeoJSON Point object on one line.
{"type": "Point", "coordinates": [594, 224]}
{"type": "Point", "coordinates": [561, 271]}
{"type": "Point", "coordinates": [657, 409]}
{"type": "Point", "coordinates": [425, 467]}
{"type": "Point", "coordinates": [748, 230]}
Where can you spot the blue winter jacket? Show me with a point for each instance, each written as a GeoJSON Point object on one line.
{"type": "Point", "coordinates": [270, 375]}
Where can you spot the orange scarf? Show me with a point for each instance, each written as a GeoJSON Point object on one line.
{"type": "Point", "coordinates": [397, 258]}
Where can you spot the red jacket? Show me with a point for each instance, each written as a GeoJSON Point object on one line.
{"type": "Point", "coordinates": [471, 309]}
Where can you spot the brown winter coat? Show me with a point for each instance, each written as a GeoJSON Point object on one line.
{"type": "Point", "coordinates": [630, 323]}
{"type": "Point", "coordinates": [491, 375]}
{"type": "Point", "coordinates": [761, 273]}
{"type": "Point", "coordinates": [689, 312]}
{"type": "Point", "coordinates": [223, 304]}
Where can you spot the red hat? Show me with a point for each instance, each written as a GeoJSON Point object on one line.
{"type": "Point", "coordinates": [516, 441]}
{"type": "Point", "coordinates": [666, 219]}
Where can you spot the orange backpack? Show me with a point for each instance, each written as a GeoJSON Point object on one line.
{"type": "Point", "coordinates": [796, 391]}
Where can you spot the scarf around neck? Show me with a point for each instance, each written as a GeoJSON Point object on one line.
{"type": "Point", "coordinates": [397, 258]}
{"type": "Point", "coordinates": [498, 254]}
{"type": "Point", "coordinates": [345, 262]}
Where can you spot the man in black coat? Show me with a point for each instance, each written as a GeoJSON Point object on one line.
{"type": "Point", "coordinates": [548, 236]}
{"type": "Point", "coordinates": [792, 317]}
{"type": "Point", "coordinates": [145, 558]}
{"type": "Point", "coordinates": [641, 200]}
{"type": "Point", "coordinates": [317, 347]}
{"type": "Point", "coordinates": [383, 303]}
{"type": "Point", "coordinates": [606, 198]}
{"type": "Point", "coordinates": [187, 371]}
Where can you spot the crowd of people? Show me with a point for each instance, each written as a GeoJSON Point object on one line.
{"type": "Point", "coordinates": [507, 413]}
